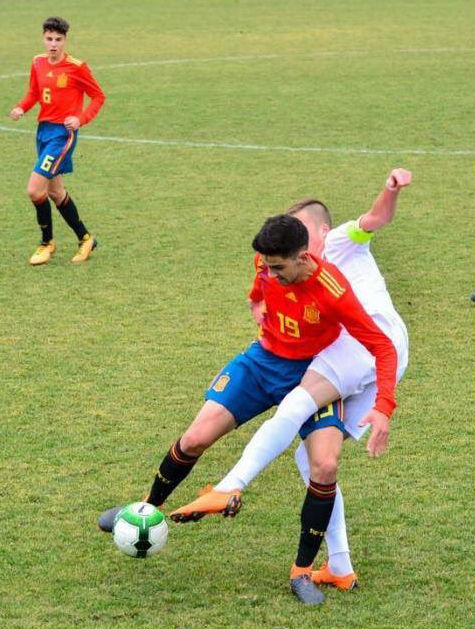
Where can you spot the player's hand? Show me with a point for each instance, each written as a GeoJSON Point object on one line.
{"type": "Point", "coordinates": [379, 438]}
{"type": "Point", "coordinates": [72, 123]}
{"type": "Point", "coordinates": [257, 309]}
{"type": "Point", "coordinates": [16, 113]}
{"type": "Point", "coordinates": [399, 178]}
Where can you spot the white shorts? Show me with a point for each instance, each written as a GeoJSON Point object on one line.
{"type": "Point", "coordinates": [351, 369]}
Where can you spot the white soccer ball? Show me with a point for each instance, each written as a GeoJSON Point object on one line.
{"type": "Point", "coordinates": [140, 530]}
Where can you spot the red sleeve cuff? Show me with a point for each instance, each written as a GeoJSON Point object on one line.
{"type": "Point", "coordinates": [385, 406]}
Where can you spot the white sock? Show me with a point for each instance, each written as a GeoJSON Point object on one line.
{"type": "Point", "coordinates": [273, 437]}
{"type": "Point", "coordinates": [336, 537]}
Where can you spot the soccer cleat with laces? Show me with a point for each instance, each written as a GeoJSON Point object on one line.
{"type": "Point", "coordinates": [323, 576]}
{"type": "Point", "coordinates": [86, 247]}
{"type": "Point", "coordinates": [210, 502]}
{"type": "Point", "coordinates": [302, 586]}
{"type": "Point", "coordinates": [43, 253]}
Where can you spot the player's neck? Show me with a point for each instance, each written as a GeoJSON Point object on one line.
{"type": "Point", "coordinates": [308, 269]}
{"type": "Point", "coordinates": [54, 60]}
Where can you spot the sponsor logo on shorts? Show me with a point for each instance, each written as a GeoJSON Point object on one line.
{"type": "Point", "coordinates": [221, 383]}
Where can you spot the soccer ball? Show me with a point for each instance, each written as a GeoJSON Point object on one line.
{"type": "Point", "coordinates": [140, 530]}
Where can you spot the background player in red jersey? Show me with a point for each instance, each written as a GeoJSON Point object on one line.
{"type": "Point", "coordinates": [58, 83]}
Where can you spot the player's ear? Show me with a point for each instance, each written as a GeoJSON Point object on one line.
{"type": "Point", "coordinates": [324, 229]}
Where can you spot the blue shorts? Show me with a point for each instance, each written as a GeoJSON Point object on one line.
{"type": "Point", "coordinates": [254, 381]}
{"type": "Point", "coordinates": [331, 415]}
{"type": "Point", "coordinates": [55, 146]}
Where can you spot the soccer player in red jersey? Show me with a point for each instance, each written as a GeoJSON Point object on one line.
{"type": "Point", "coordinates": [307, 301]}
{"type": "Point", "coordinates": [58, 83]}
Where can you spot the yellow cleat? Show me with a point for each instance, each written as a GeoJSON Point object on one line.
{"type": "Point", "coordinates": [323, 576]}
{"type": "Point", "coordinates": [43, 254]}
{"type": "Point", "coordinates": [209, 502]}
{"type": "Point", "coordinates": [86, 247]}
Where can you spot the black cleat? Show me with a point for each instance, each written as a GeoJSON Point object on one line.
{"type": "Point", "coordinates": [106, 520]}
{"type": "Point", "coordinates": [305, 590]}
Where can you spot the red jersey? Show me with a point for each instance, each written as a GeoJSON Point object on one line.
{"type": "Point", "coordinates": [303, 318]}
{"type": "Point", "coordinates": [60, 88]}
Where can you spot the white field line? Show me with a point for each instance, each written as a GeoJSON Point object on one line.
{"type": "Point", "coordinates": [238, 58]}
{"type": "Point", "coordinates": [259, 147]}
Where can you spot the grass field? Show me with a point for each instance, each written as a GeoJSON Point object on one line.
{"type": "Point", "coordinates": [220, 113]}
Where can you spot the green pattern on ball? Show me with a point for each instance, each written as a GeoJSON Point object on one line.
{"type": "Point", "coordinates": [151, 516]}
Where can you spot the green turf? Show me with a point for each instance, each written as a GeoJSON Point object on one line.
{"type": "Point", "coordinates": [103, 365]}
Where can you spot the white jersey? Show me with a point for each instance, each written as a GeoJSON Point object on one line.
{"type": "Point", "coordinates": [346, 249]}
{"type": "Point", "coordinates": [346, 363]}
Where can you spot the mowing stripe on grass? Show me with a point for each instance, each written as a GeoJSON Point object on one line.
{"type": "Point", "coordinates": [261, 147]}
{"type": "Point", "coordinates": [237, 58]}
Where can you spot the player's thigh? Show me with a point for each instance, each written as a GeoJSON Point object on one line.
{"type": "Point", "coordinates": [346, 364]}
{"type": "Point", "coordinates": [319, 387]}
{"type": "Point", "coordinates": [211, 423]}
{"type": "Point", "coordinates": [37, 187]}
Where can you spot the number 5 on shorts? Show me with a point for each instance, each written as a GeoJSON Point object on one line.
{"type": "Point", "coordinates": [47, 163]}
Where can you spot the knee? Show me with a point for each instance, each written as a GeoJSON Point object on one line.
{"type": "Point", "coordinates": [193, 443]}
{"type": "Point", "coordinates": [36, 194]}
{"type": "Point", "coordinates": [37, 190]}
{"type": "Point", "coordinates": [324, 469]}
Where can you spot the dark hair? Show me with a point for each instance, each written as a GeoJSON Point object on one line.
{"type": "Point", "coordinates": [282, 235]}
{"type": "Point", "coordinates": [316, 209]}
{"type": "Point", "coordinates": [56, 24]}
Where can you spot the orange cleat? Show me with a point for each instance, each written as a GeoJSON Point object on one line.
{"type": "Point", "coordinates": [209, 502]}
{"type": "Point", "coordinates": [323, 576]}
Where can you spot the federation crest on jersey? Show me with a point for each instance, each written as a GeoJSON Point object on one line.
{"type": "Point", "coordinates": [311, 314]}
{"type": "Point", "coordinates": [221, 383]}
{"type": "Point", "coordinates": [62, 80]}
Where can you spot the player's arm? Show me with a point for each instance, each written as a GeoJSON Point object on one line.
{"type": "Point", "coordinates": [95, 93]}
{"type": "Point", "coordinates": [31, 97]}
{"type": "Point", "coordinates": [256, 296]}
{"type": "Point", "coordinates": [345, 307]}
{"type": "Point", "coordinates": [383, 209]}
{"type": "Point", "coordinates": [257, 309]}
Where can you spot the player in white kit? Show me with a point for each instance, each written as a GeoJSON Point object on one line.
{"type": "Point", "coordinates": [343, 370]}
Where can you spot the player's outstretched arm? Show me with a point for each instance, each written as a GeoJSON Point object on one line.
{"type": "Point", "coordinates": [383, 209]}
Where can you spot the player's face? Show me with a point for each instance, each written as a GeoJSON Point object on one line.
{"type": "Point", "coordinates": [286, 270]}
{"type": "Point", "coordinates": [54, 43]}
